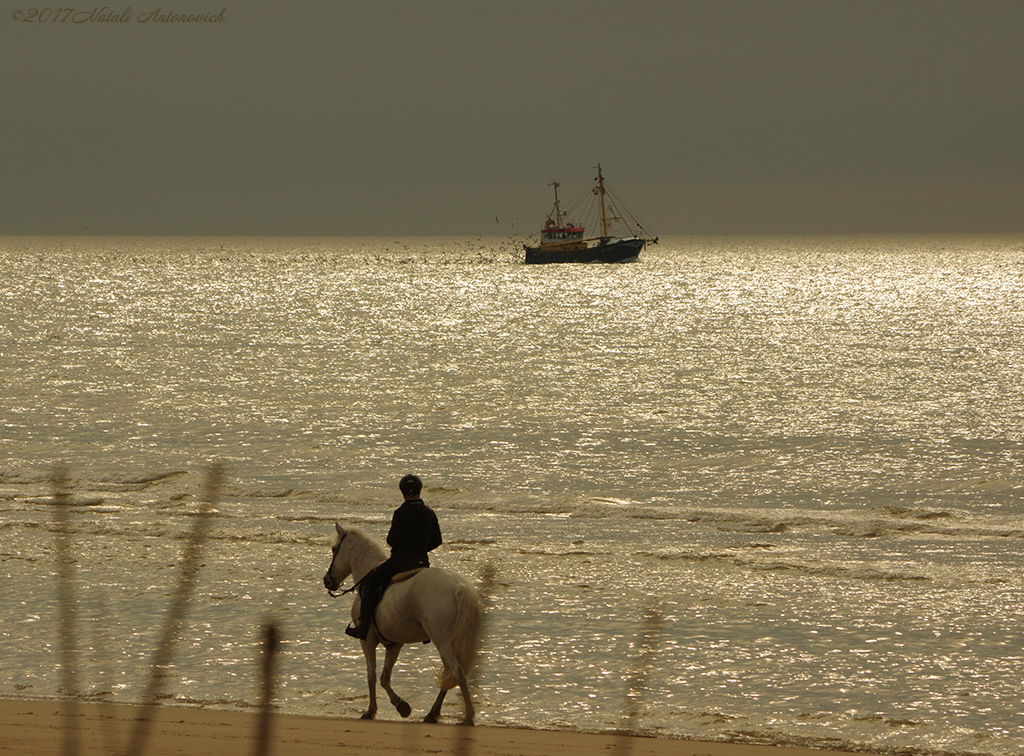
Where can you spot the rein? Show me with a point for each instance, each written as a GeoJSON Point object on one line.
{"type": "Point", "coordinates": [339, 594]}
{"type": "Point", "coordinates": [347, 590]}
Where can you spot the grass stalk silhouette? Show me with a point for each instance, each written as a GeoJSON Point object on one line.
{"type": "Point", "coordinates": [271, 645]}
{"type": "Point", "coordinates": [67, 630]}
{"type": "Point", "coordinates": [637, 684]}
{"type": "Point", "coordinates": [187, 579]}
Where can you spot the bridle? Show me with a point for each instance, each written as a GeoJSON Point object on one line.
{"type": "Point", "coordinates": [334, 555]}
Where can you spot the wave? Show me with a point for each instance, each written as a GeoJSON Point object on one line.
{"type": "Point", "coordinates": [772, 563]}
{"type": "Point", "coordinates": [180, 490]}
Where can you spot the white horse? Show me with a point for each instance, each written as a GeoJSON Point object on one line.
{"type": "Point", "coordinates": [431, 606]}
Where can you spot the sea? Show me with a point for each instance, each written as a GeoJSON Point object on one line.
{"type": "Point", "coordinates": [746, 489]}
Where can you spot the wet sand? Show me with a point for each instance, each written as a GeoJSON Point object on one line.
{"type": "Point", "coordinates": [29, 727]}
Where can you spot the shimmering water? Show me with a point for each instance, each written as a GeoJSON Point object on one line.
{"type": "Point", "coordinates": [804, 453]}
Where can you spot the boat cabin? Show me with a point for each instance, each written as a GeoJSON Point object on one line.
{"type": "Point", "coordinates": [562, 237]}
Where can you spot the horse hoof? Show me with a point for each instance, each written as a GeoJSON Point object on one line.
{"type": "Point", "coordinates": [467, 723]}
{"type": "Point", "coordinates": [404, 709]}
{"type": "Point", "coordinates": [367, 715]}
{"type": "Point", "coordinates": [430, 718]}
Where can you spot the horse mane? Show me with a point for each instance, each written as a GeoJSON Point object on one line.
{"type": "Point", "coordinates": [362, 544]}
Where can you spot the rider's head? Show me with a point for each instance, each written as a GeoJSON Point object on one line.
{"type": "Point", "coordinates": [410, 486]}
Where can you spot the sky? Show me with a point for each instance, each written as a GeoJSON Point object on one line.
{"type": "Point", "coordinates": [452, 117]}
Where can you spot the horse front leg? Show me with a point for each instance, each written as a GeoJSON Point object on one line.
{"type": "Point", "coordinates": [390, 657]}
{"type": "Point", "coordinates": [370, 654]}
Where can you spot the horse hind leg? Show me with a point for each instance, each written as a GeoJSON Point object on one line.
{"type": "Point", "coordinates": [390, 657]}
{"type": "Point", "coordinates": [453, 675]}
{"type": "Point", "coordinates": [460, 677]}
{"type": "Point", "coordinates": [435, 710]}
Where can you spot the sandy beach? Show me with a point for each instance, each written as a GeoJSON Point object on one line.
{"type": "Point", "coordinates": [29, 727]}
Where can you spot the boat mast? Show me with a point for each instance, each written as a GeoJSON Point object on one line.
{"type": "Point", "coordinates": [558, 210]}
{"type": "Point", "coordinates": [600, 194]}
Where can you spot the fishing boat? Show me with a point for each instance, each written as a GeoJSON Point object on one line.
{"type": "Point", "coordinates": [563, 241]}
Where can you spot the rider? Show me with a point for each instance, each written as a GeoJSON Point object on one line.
{"type": "Point", "coordinates": [414, 531]}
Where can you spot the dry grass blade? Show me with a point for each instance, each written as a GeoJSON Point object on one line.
{"type": "Point", "coordinates": [66, 604]}
{"type": "Point", "coordinates": [176, 614]}
{"type": "Point", "coordinates": [638, 681]}
{"type": "Point", "coordinates": [271, 643]}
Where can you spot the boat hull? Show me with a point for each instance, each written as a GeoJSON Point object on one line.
{"type": "Point", "coordinates": [619, 251]}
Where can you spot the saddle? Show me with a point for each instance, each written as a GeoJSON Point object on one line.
{"type": "Point", "coordinates": [378, 594]}
{"type": "Point", "coordinates": [407, 574]}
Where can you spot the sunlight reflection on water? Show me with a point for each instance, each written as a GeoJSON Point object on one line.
{"type": "Point", "coordinates": [806, 450]}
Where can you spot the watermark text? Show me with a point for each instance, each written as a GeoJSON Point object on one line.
{"type": "Point", "coordinates": [103, 15]}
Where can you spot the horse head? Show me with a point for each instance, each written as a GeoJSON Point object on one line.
{"type": "Point", "coordinates": [339, 569]}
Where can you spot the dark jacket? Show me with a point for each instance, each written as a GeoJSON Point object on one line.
{"type": "Point", "coordinates": [414, 531]}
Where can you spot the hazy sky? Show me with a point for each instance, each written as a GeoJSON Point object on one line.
{"type": "Point", "coordinates": [377, 117]}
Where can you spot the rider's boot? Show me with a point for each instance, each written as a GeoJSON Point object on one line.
{"type": "Point", "coordinates": [361, 627]}
{"type": "Point", "coordinates": [359, 630]}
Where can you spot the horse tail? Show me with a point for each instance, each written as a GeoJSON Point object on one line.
{"type": "Point", "coordinates": [465, 640]}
